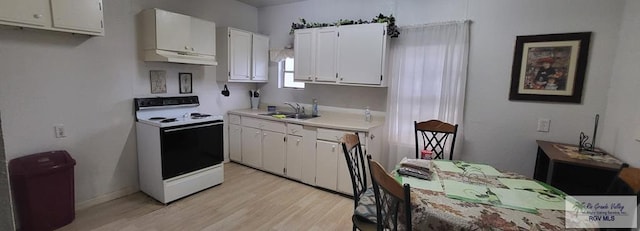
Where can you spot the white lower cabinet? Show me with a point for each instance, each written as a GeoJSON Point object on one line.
{"type": "Point", "coordinates": [235, 142]}
{"type": "Point", "coordinates": [312, 155]}
{"type": "Point", "coordinates": [252, 147]}
{"type": "Point", "coordinates": [327, 164]}
{"type": "Point", "coordinates": [273, 152]}
{"type": "Point", "coordinates": [294, 157]}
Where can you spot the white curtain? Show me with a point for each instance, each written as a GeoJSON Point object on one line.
{"type": "Point", "coordinates": [277, 55]}
{"type": "Point", "coordinates": [428, 69]}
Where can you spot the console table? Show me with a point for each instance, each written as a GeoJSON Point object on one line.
{"type": "Point", "coordinates": [561, 166]}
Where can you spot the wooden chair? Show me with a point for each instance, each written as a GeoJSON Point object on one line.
{"type": "Point", "coordinates": [626, 182]}
{"type": "Point", "coordinates": [364, 215]}
{"type": "Point", "coordinates": [434, 134]}
{"type": "Point", "coordinates": [393, 201]}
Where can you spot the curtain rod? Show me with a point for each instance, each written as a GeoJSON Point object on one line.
{"type": "Point", "coordinates": [434, 24]}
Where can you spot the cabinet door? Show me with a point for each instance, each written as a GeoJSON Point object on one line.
{"type": "Point", "coordinates": [326, 44]}
{"type": "Point", "coordinates": [84, 15]}
{"type": "Point", "coordinates": [173, 31]}
{"type": "Point", "coordinates": [32, 12]}
{"type": "Point", "coordinates": [252, 147]}
{"type": "Point", "coordinates": [309, 147]}
{"type": "Point", "coordinates": [360, 53]}
{"type": "Point", "coordinates": [294, 156]}
{"type": "Point", "coordinates": [239, 54]}
{"type": "Point", "coordinates": [344, 177]}
{"type": "Point", "coordinates": [304, 53]}
{"type": "Point", "coordinates": [260, 58]}
{"type": "Point", "coordinates": [273, 152]}
{"type": "Point", "coordinates": [203, 37]}
{"type": "Point", "coordinates": [235, 142]}
{"type": "Point", "coordinates": [327, 164]}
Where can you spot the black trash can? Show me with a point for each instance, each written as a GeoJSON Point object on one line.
{"type": "Point", "coordinates": [43, 190]}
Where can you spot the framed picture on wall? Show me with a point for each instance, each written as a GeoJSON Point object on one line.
{"type": "Point", "coordinates": [158, 81]}
{"type": "Point", "coordinates": [185, 83]}
{"type": "Point", "coordinates": [550, 67]}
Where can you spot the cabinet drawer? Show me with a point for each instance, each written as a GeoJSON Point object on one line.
{"type": "Point", "coordinates": [294, 129]}
{"type": "Point", "coordinates": [234, 119]}
{"type": "Point", "coordinates": [263, 124]}
{"type": "Point", "coordinates": [336, 135]}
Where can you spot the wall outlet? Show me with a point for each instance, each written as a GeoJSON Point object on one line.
{"type": "Point", "coordinates": [59, 131]}
{"type": "Point", "coordinates": [543, 125]}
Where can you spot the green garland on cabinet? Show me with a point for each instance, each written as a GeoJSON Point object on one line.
{"type": "Point", "coordinates": [392, 29]}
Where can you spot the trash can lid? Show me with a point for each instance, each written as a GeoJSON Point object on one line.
{"type": "Point", "coordinates": [36, 163]}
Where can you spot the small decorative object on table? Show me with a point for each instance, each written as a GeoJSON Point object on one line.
{"type": "Point", "coordinates": [589, 148]}
{"type": "Point", "coordinates": [185, 83]}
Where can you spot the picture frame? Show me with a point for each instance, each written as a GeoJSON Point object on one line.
{"type": "Point", "coordinates": [185, 82]}
{"type": "Point", "coordinates": [550, 67]}
{"type": "Point", "coordinates": [158, 80]}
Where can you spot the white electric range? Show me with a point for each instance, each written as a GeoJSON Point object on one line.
{"type": "Point", "coordinates": [180, 149]}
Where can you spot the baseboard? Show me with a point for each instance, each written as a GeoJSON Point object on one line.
{"type": "Point", "coordinates": [106, 197]}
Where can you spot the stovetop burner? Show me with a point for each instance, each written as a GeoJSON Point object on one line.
{"type": "Point", "coordinates": [157, 118]}
{"type": "Point", "coordinates": [168, 120]}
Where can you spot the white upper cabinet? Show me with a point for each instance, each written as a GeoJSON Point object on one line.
{"type": "Point", "coordinates": [244, 56]}
{"type": "Point", "coordinates": [239, 55]}
{"type": "Point", "coordinates": [304, 53]}
{"type": "Point", "coordinates": [326, 44]}
{"type": "Point", "coordinates": [315, 54]}
{"type": "Point", "coordinates": [81, 15]}
{"type": "Point", "coordinates": [260, 70]}
{"type": "Point", "coordinates": [346, 55]}
{"type": "Point", "coordinates": [25, 12]}
{"type": "Point", "coordinates": [173, 32]}
{"type": "Point", "coordinates": [361, 53]}
{"type": "Point", "coordinates": [74, 16]}
{"type": "Point", "coordinates": [177, 38]}
{"type": "Point", "coordinates": [202, 35]}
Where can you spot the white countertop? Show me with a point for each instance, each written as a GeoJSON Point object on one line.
{"type": "Point", "coordinates": [327, 119]}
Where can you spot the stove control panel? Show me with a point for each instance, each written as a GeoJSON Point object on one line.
{"type": "Point", "coordinates": [140, 103]}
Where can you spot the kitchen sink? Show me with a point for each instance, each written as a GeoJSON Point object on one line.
{"type": "Point", "coordinates": [278, 113]}
{"type": "Point", "coordinates": [302, 116]}
{"type": "Point", "coordinates": [291, 115]}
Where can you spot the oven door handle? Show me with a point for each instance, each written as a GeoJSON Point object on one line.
{"type": "Point", "coordinates": [191, 127]}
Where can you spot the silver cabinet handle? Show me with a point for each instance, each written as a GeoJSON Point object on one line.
{"type": "Point", "coordinates": [257, 132]}
{"type": "Point", "coordinates": [37, 16]}
{"type": "Point", "coordinates": [264, 134]}
{"type": "Point", "coordinates": [297, 141]}
{"type": "Point", "coordinates": [333, 148]}
{"type": "Point", "coordinates": [372, 136]}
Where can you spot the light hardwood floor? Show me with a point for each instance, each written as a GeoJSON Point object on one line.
{"type": "Point", "coordinates": [247, 200]}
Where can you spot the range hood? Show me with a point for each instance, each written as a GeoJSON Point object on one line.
{"type": "Point", "coordinates": [179, 57]}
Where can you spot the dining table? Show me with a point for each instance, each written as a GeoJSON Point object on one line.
{"type": "Point", "coordinates": [434, 208]}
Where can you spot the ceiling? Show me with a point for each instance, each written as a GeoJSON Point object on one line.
{"type": "Point", "coordinates": [264, 3]}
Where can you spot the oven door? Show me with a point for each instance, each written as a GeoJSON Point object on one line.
{"type": "Point", "coordinates": [192, 147]}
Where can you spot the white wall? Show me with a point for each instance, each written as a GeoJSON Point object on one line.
{"type": "Point", "coordinates": [497, 131]}
{"type": "Point", "coordinates": [622, 123]}
{"type": "Point", "coordinates": [87, 84]}
{"type": "Point", "coordinates": [503, 132]}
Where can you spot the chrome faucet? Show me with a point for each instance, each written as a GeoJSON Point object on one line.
{"type": "Point", "coordinates": [295, 108]}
